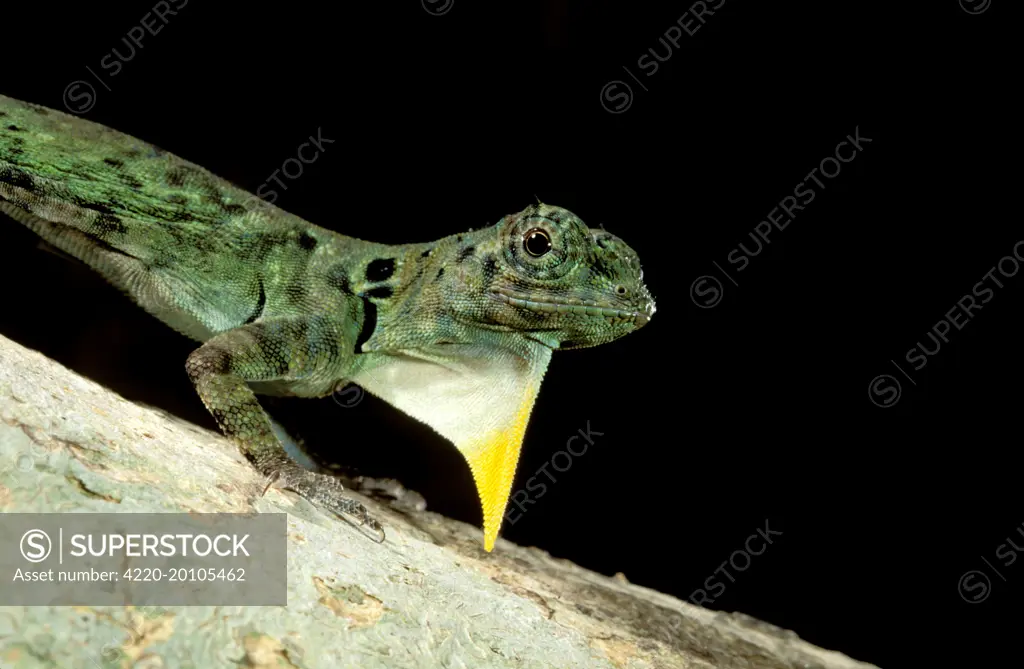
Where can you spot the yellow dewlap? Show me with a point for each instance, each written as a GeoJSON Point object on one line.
{"type": "Point", "coordinates": [479, 398]}
{"type": "Point", "coordinates": [493, 461]}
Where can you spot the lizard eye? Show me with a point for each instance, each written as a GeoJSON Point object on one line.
{"type": "Point", "coordinates": [536, 242]}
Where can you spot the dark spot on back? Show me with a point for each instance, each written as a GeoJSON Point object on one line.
{"type": "Point", "coordinates": [214, 198]}
{"type": "Point", "coordinates": [131, 182]}
{"type": "Point", "coordinates": [307, 241]}
{"type": "Point", "coordinates": [380, 269]}
{"type": "Point", "coordinates": [176, 176]}
{"type": "Point", "coordinates": [440, 273]}
{"type": "Point", "coordinates": [3, 114]}
{"type": "Point", "coordinates": [380, 291]}
{"type": "Point", "coordinates": [426, 254]}
{"type": "Point", "coordinates": [114, 162]}
{"type": "Point", "coordinates": [107, 223]}
{"type": "Point", "coordinates": [17, 178]}
{"type": "Point", "coordinates": [14, 128]}
{"type": "Point", "coordinates": [465, 253]}
{"type": "Point", "coordinates": [103, 208]}
{"type": "Point", "coordinates": [209, 188]}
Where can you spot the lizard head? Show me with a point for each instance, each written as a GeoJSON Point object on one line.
{"type": "Point", "coordinates": [567, 285]}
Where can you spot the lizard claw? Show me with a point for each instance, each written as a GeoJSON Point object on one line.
{"type": "Point", "coordinates": [270, 482]}
{"type": "Point", "coordinates": [327, 492]}
{"type": "Point", "coordinates": [366, 520]}
{"type": "Point", "coordinates": [379, 529]}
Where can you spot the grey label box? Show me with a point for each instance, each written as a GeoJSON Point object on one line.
{"type": "Point", "coordinates": [143, 559]}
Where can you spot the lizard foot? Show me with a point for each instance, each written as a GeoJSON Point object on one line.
{"type": "Point", "coordinates": [325, 491]}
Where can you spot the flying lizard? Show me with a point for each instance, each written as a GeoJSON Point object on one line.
{"type": "Point", "coordinates": [456, 333]}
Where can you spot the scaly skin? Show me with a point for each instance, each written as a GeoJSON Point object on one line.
{"type": "Point", "coordinates": [457, 332]}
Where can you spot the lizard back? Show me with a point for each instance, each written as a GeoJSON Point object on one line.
{"type": "Point", "coordinates": [194, 250]}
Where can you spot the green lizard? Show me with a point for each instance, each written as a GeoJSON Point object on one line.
{"type": "Point", "coordinates": [457, 333]}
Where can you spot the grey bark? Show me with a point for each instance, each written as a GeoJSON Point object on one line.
{"type": "Point", "coordinates": [429, 597]}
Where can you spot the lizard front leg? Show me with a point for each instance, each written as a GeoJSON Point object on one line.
{"type": "Point", "coordinates": [298, 351]}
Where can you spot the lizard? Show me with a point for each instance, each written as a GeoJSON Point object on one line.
{"type": "Point", "coordinates": [457, 333]}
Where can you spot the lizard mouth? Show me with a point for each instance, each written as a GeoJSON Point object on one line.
{"type": "Point", "coordinates": [573, 306]}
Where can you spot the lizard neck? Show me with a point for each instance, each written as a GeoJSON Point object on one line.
{"type": "Point", "coordinates": [421, 293]}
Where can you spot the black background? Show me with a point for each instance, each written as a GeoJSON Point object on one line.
{"type": "Point", "coordinates": [715, 421]}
